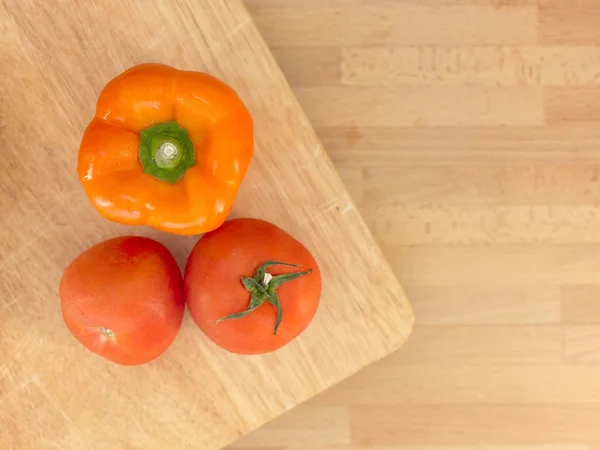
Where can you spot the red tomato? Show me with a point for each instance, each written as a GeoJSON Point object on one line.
{"type": "Point", "coordinates": [123, 299]}
{"type": "Point", "coordinates": [233, 296]}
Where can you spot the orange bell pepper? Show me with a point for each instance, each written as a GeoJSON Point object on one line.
{"type": "Point", "coordinates": [166, 148]}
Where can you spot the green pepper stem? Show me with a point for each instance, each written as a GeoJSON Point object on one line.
{"type": "Point", "coordinates": [166, 151]}
{"type": "Point", "coordinates": [263, 288]}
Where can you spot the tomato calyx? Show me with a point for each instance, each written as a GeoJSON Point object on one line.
{"type": "Point", "coordinates": [107, 332]}
{"type": "Point", "coordinates": [263, 288]}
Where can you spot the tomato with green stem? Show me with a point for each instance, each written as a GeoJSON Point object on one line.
{"type": "Point", "coordinates": [251, 287]}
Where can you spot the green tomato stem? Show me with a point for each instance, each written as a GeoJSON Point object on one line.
{"type": "Point", "coordinates": [263, 287]}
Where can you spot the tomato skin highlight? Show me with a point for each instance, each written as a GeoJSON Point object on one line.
{"type": "Point", "coordinates": [123, 299]}
{"type": "Point", "coordinates": [213, 287]}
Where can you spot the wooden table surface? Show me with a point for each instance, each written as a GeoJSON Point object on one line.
{"type": "Point", "coordinates": [468, 132]}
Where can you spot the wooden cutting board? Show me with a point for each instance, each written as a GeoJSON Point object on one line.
{"type": "Point", "coordinates": [55, 58]}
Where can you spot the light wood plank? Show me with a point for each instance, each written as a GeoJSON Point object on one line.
{"type": "Point", "coordinates": [495, 265]}
{"type": "Point", "coordinates": [472, 424]}
{"type": "Point", "coordinates": [582, 344]}
{"type": "Point", "coordinates": [566, 22]}
{"type": "Point", "coordinates": [574, 446]}
{"type": "Point", "coordinates": [563, 446]}
{"type": "Point", "coordinates": [486, 305]}
{"type": "Point", "coordinates": [572, 104]}
{"type": "Point", "coordinates": [396, 23]}
{"type": "Point", "coordinates": [499, 4]}
{"type": "Point", "coordinates": [325, 426]}
{"type": "Point", "coordinates": [422, 106]}
{"type": "Point", "coordinates": [482, 345]}
{"type": "Point", "coordinates": [487, 186]}
{"type": "Point", "coordinates": [583, 4]}
{"type": "Point", "coordinates": [569, 65]}
{"type": "Point", "coordinates": [447, 66]}
{"type": "Point", "coordinates": [464, 225]}
{"type": "Point", "coordinates": [472, 66]}
{"type": "Point", "coordinates": [390, 384]}
{"type": "Point", "coordinates": [580, 304]}
{"type": "Point", "coordinates": [309, 66]}
{"type": "Point", "coordinates": [241, 444]}
{"type": "Point", "coordinates": [472, 147]}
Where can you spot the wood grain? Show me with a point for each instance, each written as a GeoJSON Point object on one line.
{"type": "Point", "coordinates": [566, 22]}
{"type": "Point", "coordinates": [55, 59]}
{"type": "Point", "coordinates": [414, 147]}
{"type": "Point", "coordinates": [422, 107]}
{"type": "Point", "coordinates": [471, 66]}
{"type": "Point", "coordinates": [501, 424]}
{"type": "Point", "coordinates": [290, 24]}
{"type": "Point", "coordinates": [569, 104]}
{"type": "Point", "coordinates": [468, 133]}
